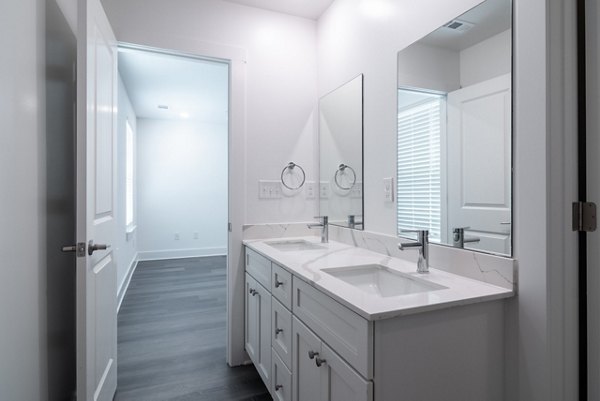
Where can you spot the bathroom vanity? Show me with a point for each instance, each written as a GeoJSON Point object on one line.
{"type": "Point", "coordinates": [337, 322]}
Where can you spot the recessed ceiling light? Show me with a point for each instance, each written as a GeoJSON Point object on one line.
{"type": "Point", "coordinates": [163, 106]}
{"type": "Point", "coordinates": [184, 115]}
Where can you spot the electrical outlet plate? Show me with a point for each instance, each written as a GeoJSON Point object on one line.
{"type": "Point", "coordinates": [324, 189]}
{"type": "Point", "coordinates": [269, 189]}
{"type": "Point", "coordinates": [310, 189]}
{"type": "Point", "coordinates": [357, 190]}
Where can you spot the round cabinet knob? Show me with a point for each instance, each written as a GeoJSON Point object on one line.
{"type": "Point", "coordinates": [252, 291]}
{"type": "Point", "coordinates": [320, 362]}
{"type": "Point", "coordinates": [312, 354]}
{"type": "Point", "coordinates": [278, 387]}
{"type": "Point", "coordinates": [277, 331]}
{"type": "Point", "coordinates": [278, 284]}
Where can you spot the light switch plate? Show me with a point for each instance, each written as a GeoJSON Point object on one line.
{"type": "Point", "coordinates": [269, 189]}
{"type": "Point", "coordinates": [388, 189]}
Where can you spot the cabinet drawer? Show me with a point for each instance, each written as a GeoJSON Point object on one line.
{"type": "Point", "coordinates": [344, 331]}
{"type": "Point", "coordinates": [282, 332]}
{"type": "Point", "coordinates": [281, 380]}
{"type": "Point", "coordinates": [259, 267]}
{"type": "Point", "coordinates": [281, 285]}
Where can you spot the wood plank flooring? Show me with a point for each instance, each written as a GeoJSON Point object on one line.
{"type": "Point", "coordinates": [171, 336]}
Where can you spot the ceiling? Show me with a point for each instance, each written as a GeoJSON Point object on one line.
{"type": "Point", "coordinates": [301, 8]}
{"type": "Point", "coordinates": [192, 89]}
{"type": "Point", "coordinates": [489, 18]}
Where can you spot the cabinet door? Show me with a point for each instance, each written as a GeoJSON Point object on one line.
{"type": "Point", "coordinates": [340, 382]}
{"type": "Point", "coordinates": [306, 376]}
{"type": "Point", "coordinates": [252, 319]}
{"type": "Point", "coordinates": [263, 359]}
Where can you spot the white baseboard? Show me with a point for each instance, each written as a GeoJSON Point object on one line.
{"type": "Point", "coordinates": [180, 253]}
{"type": "Point", "coordinates": [125, 284]}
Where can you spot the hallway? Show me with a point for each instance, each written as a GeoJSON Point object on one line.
{"type": "Point", "coordinates": [171, 336]}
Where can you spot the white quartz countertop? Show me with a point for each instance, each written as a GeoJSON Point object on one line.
{"type": "Point", "coordinates": [309, 265]}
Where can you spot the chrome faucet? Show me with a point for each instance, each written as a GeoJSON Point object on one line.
{"type": "Point", "coordinates": [423, 246]}
{"type": "Point", "coordinates": [352, 222]}
{"type": "Point", "coordinates": [324, 224]}
{"type": "Point", "coordinates": [458, 237]}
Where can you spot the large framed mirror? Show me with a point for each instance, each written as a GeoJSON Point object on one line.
{"type": "Point", "coordinates": [454, 167]}
{"type": "Point", "coordinates": [341, 155]}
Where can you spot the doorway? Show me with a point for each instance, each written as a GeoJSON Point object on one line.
{"type": "Point", "coordinates": [172, 239]}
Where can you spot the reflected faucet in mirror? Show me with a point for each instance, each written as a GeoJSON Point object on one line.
{"type": "Point", "coordinates": [459, 239]}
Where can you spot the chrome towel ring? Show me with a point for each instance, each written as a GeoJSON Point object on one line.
{"type": "Point", "coordinates": [291, 166]}
{"type": "Point", "coordinates": [342, 170]}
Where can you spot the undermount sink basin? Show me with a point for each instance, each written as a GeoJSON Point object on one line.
{"type": "Point", "coordinates": [294, 245]}
{"type": "Point", "coordinates": [381, 281]}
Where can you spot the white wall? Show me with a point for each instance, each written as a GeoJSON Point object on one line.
{"type": "Point", "coordinates": [353, 39]}
{"type": "Point", "coordinates": [487, 59]}
{"type": "Point", "coordinates": [280, 83]}
{"type": "Point", "coordinates": [429, 67]}
{"type": "Point", "coordinates": [182, 188]}
{"type": "Point", "coordinates": [23, 360]}
{"type": "Point", "coordinates": [126, 250]}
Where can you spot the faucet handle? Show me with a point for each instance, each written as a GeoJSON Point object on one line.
{"type": "Point", "coordinates": [457, 229]}
{"type": "Point", "coordinates": [324, 218]}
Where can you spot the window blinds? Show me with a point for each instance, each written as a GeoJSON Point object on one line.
{"type": "Point", "coordinates": [419, 184]}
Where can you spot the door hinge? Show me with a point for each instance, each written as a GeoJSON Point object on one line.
{"type": "Point", "coordinates": [584, 216]}
{"type": "Point", "coordinates": [229, 227]}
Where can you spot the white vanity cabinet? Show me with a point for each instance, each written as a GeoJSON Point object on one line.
{"type": "Point", "coordinates": [307, 346]}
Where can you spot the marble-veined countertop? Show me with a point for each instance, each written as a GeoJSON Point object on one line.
{"type": "Point", "coordinates": [309, 265]}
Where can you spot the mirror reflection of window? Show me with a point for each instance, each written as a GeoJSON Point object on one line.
{"type": "Point", "coordinates": [421, 119]}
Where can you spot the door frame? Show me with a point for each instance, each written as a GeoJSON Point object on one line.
{"type": "Point", "coordinates": [236, 59]}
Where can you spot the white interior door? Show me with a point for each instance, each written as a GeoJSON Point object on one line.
{"type": "Point", "coordinates": [479, 166]}
{"type": "Point", "coordinates": [96, 273]}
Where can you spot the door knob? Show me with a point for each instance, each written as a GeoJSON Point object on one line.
{"type": "Point", "coordinates": [96, 247]}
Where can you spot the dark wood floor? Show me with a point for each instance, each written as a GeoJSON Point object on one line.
{"type": "Point", "coordinates": [171, 332]}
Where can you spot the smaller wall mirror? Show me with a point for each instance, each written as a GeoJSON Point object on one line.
{"type": "Point", "coordinates": [454, 131]}
{"type": "Point", "coordinates": [341, 155]}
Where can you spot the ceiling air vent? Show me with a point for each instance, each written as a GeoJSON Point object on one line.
{"type": "Point", "coordinates": [459, 26]}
